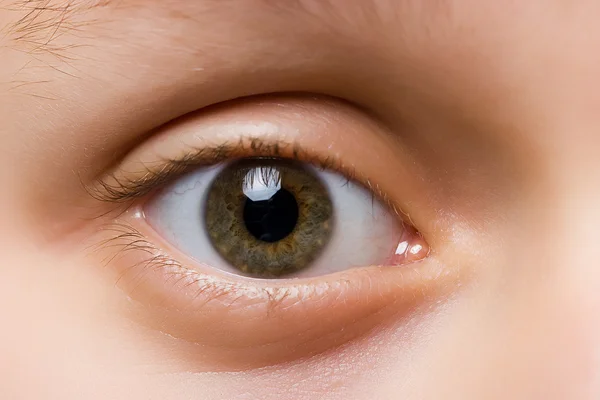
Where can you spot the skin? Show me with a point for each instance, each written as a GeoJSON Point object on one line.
{"type": "Point", "coordinates": [478, 119]}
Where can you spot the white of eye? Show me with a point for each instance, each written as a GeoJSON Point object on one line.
{"type": "Point", "coordinates": [365, 232]}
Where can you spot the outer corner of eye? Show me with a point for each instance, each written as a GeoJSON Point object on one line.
{"type": "Point", "coordinates": [275, 218]}
{"type": "Point", "coordinates": [412, 248]}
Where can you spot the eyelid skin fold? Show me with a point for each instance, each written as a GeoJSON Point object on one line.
{"type": "Point", "coordinates": [325, 133]}
{"type": "Point", "coordinates": [241, 322]}
{"type": "Point", "coordinates": [249, 322]}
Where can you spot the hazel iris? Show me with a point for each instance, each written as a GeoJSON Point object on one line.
{"type": "Point", "coordinates": [268, 217]}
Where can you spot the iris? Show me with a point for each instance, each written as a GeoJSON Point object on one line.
{"type": "Point", "coordinates": [268, 217]}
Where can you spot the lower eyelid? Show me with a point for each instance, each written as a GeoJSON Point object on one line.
{"type": "Point", "coordinates": [260, 322]}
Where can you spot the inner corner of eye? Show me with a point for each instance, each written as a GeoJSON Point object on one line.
{"type": "Point", "coordinates": [276, 218]}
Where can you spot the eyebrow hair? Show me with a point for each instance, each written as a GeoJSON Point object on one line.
{"type": "Point", "coordinates": [39, 23]}
{"type": "Point", "coordinates": [51, 31]}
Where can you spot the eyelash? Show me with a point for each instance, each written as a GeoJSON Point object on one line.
{"type": "Point", "coordinates": [127, 239]}
{"type": "Point", "coordinates": [185, 299]}
{"type": "Point", "coordinates": [123, 191]}
{"type": "Point", "coordinates": [165, 285]}
{"type": "Point", "coordinates": [118, 189]}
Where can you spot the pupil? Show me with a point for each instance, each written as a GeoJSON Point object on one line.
{"type": "Point", "coordinates": [273, 219]}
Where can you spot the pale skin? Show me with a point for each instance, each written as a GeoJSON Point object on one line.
{"type": "Point", "coordinates": [478, 121]}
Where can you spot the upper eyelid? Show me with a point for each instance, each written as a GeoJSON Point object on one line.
{"type": "Point", "coordinates": [322, 131]}
{"type": "Point", "coordinates": [254, 117]}
{"type": "Point", "coordinates": [122, 190]}
{"type": "Point", "coordinates": [117, 187]}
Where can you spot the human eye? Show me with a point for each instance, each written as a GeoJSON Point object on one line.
{"type": "Point", "coordinates": [262, 239]}
{"type": "Point", "coordinates": [276, 218]}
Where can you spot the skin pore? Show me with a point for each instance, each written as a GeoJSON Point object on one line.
{"type": "Point", "coordinates": [475, 123]}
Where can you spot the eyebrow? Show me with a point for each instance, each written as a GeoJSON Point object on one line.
{"type": "Point", "coordinates": [39, 23]}
{"type": "Point", "coordinates": [51, 31]}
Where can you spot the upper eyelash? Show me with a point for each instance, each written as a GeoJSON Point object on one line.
{"type": "Point", "coordinates": [122, 190]}
{"type": "Point", "coordinates": [118, 189]}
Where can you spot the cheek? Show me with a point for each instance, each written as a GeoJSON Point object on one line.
{"type": "Point", "coordinates": [66, 335]}
{"type": "Point", "coordinates": [535, 341]}
{"type": "Point", "coordinates": [70, 333]}
{"type": "Point", "coordinates": [64, 331]}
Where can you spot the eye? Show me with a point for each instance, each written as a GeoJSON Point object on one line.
{"type": "Point", "coordinates": [259, 233]}
{"type": "Point", "coordinates": [270, 218]}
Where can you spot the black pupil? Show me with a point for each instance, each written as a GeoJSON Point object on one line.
{"type": "Point", "coordinates": [273, 219]}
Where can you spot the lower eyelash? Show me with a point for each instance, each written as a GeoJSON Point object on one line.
{"type": "Point", "coordinates": [259, 322]}
{"type": "Point", "coordinates": [126, 240]}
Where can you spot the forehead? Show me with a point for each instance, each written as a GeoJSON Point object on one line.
{"type": "Point", "coordinates": [396, 25]}
{"type": "Point", "coordinates": [408, 51]}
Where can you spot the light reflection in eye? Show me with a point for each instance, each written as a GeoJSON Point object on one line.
{"type": "Point", "coordinates": [260, 184]}
{"type": "Point", "coordinates": [360, 231]}
{"type": "Point", "coordinates": [416, 249]}
{"type": "Point", "coordinates": [402, 247]}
